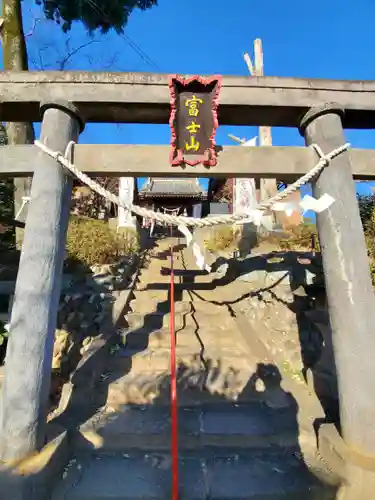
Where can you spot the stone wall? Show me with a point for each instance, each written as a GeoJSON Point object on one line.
{"type": "Point", "coordinates": [86, 311]}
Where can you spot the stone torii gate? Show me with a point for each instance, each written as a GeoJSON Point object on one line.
{"type": "Point", "coordinates": [320, 109]}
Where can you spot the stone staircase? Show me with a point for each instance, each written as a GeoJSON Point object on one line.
{"type": "Point", "coordinates": [239, 435]}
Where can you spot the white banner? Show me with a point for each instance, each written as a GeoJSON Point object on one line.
{"type": "Point", "coordinates": [245, 199]}
{"type": "Point", "coordinates": [126, 195]}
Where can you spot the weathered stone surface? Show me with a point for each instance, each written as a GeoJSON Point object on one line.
{"type": "Point", "coordinates": [61, 346]}
{"type": "Point", "coordinates": [292, 320]}
{"type": "Point", "coordinates": [225, 425]}
{"type": "Point", "coordinates": [131, 477]}
{"type": "Point", "coordinates": [258, 477]}
{"type": "Point", "coordinates": [35, 477]}
{"type": "Point", "coordinates": [253, 277]}
{"type": "Point", "coordinates": [239, 432]}
{"type": "Point", "coordinates": [86, 312]}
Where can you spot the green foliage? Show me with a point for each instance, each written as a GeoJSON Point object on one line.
{"type": "Point", "coordinates": [6, 204]}
{"type": "Point", "coordinates": [3, 334]}
{"type": "Point", "coordinates": [366, 207]}
{"type": "Point", "coordinates": [91, 242]}
{"type": "Point", "coordinates": [3, 135]}
{"type": "Point", "coordinates": [100, 15]}
{"type": "Point", "coordinates": [367, 212]}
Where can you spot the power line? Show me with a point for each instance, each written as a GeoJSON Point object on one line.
{"type": "Point", "coordinates": [142, 54]}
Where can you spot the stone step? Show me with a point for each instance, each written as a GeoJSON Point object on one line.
{"type": "Point", "coordinates": [154, 321]}
{"type": "Point", "coordinates": [152, 296]}
{"type": "Point", "coordinates": [205, 293]}
{"type": "Point", "coordinates": [194, 335]}
{"type": "Point", "coordinates": [161, 276]}
{"type": "Point", "coordinates": [223, 379]}
{"type": "Point", "coordinates": [155, 283]}
{"type": "Point", "coordinates": [161, 319]}
{"type": "Point", "coordinates": [162, 258]}
{"type": "Point", "coordinates": [160, 293]}
{"type": "Point", "coordinates": [226, 425]}
{"type": "Point", "coordinates": [147, 338]}
{"type": "Point", "coordinates": [141, 305]}
{"type": "Point", "coordinates": [157, 361]}
{"type": "Point", "coordinates": [153, 280]}
{"type": "Point", "coordinates": [155, 273]}
{"type": "Point", "coordinates": [192, 274]}
{"type": "Point", "coordinates": [255, 476]}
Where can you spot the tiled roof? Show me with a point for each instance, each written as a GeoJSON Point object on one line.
{"type": "Point", "coordinates": [172, 187]}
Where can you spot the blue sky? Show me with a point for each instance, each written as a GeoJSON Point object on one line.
{"type": "Point", "coordinates": [325, 39]}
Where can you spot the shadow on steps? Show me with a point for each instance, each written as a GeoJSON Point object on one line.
{"type": "Point", "coordinates": [248, 448]}
{"type": "Point", "coordinates": [244, 447]}
{"type": "Point", "coordinates": [309, 305]}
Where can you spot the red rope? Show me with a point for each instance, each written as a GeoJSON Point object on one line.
{"type": "Point", "coordinates": [173, 388]}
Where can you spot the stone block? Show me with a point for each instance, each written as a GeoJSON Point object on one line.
{"type": "Point", "coordinates": [253, 277]}
{"type": "Point", "coordinates": [142, 428]}
{"type": "Point", "coordinates": [282, 278]}
{"type": "Point", "coordinates": [258, 476]}
{"type": "Point", "coordinates": [124, 477]}
{"type": "Point", "coordinates": [35, 477]}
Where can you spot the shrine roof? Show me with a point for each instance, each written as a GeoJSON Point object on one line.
{"type": "Point", "coordinates": [163, 187]}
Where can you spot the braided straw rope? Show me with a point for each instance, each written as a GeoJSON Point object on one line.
{"type": "Point", "coordinates": [323, 162]}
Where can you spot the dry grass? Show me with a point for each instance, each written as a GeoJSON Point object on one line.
{"type": "Point", "coordinates": [92, 241]}
{"type": "Point", "coordinates": [369, 228]}
{"type": "Point", "coordinates": [222, 238]}
{"type": "Point", "coordinates": [298, 238]}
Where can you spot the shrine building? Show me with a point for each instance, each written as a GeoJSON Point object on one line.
{"type": "Point", "coordinates": [184, 196]}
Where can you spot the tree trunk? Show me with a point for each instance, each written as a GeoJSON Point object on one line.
{"type": "Point", "coordinates": [15, 59]}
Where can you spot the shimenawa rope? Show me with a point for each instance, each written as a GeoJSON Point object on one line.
{"type": "Point", "coordinates": [324, 161]}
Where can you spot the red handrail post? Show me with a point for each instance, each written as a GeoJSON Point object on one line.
{"type": "Point", "coordinates": [173, 385]}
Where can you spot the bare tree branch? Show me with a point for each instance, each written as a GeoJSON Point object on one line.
{"type": "Point", "coordinates": [60, 52]}
{"type": "Point", "coordinates": [73, 52]}
{"type": "Point", "coordinates": [35, 22]}
{"type": "Point", "coordinates": [32, 30]}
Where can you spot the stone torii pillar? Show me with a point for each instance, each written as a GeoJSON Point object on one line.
{"type": "Point", "coordinates": [351, 301]}
{"type": "Point", "coordinates": [25, 392]}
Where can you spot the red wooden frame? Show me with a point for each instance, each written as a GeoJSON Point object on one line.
{"type": "Point", "coordinates": [209, 158]}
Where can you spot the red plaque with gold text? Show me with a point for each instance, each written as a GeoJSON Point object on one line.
{"type": "Point", "coordinates": [193, 120]}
